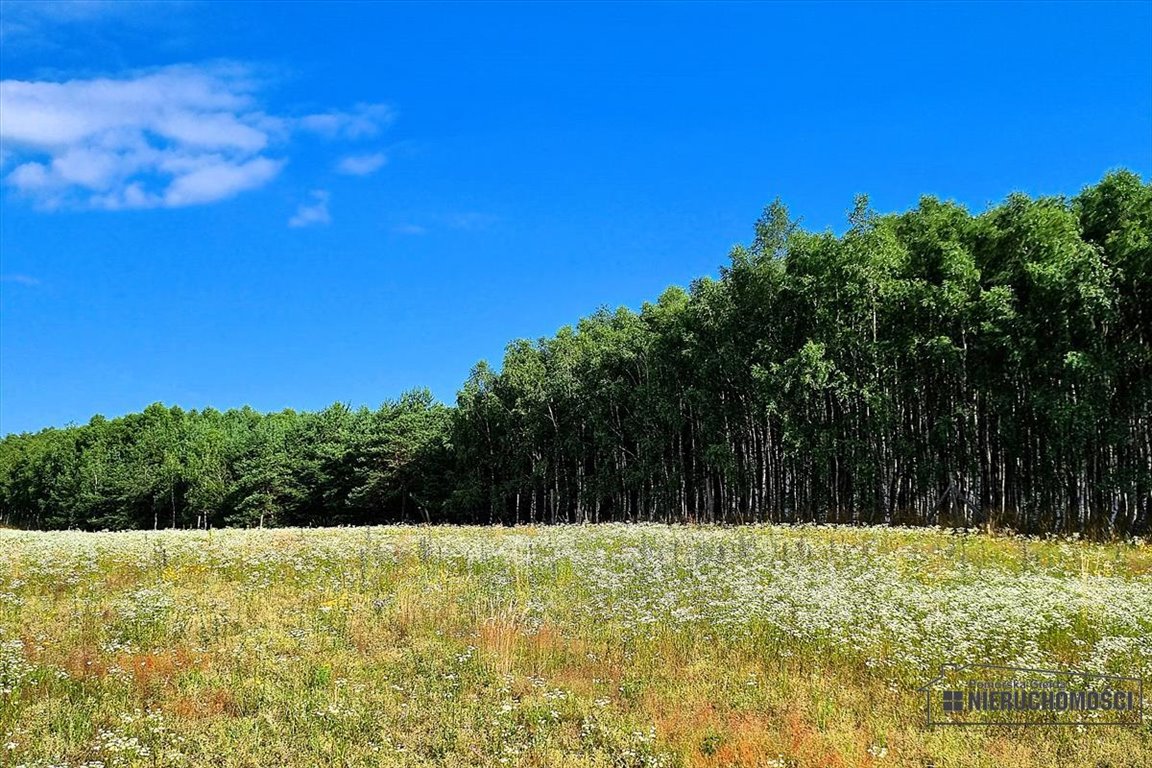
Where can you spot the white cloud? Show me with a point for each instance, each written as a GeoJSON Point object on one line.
{"type": "Point", "coordinates": [220, 179]}
{"type": "Point", "coordinates": [315, 212]}
{"type": "Point", "coordinates": [176, 136]}
{"type": "Point", "coordinates": [361, 165]}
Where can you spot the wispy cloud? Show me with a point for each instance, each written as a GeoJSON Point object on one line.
{"type": "Point", "coordinates": [361, 165]}
{"type": "Point", "coordinates": [176, 136]}
{"type": "Point", "coordinates": [316, 212]}
{"type": "Point", "coordinates": [409, 229]}
{"type": "Point", "coordinates": [29, 21]}
{"type": "Point", "coordinates": [364, 121]}
{"type": "Point", "coordinates": [20, 280]}
{"type": "Point", "coordinates": [470, 220]}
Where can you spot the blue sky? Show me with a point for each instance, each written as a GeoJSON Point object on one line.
{"type": "Point", "coordinates": [211, 204]}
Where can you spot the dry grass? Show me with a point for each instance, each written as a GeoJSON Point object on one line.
{"type": "Point", "coordinates": [533, 647]}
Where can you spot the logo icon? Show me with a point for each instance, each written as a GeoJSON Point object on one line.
{"type": "Point", "coordinates": [953, 701]}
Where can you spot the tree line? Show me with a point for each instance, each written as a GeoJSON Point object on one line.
{"type": "Point", "coordinates": [925, 367]}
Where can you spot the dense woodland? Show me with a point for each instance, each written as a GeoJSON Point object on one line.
{"type": "Point", "coordinates": [927, 367]}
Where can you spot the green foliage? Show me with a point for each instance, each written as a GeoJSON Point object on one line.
{"type": "Point", "coordinates": [169, 468]}
{"type": "Point", "coordinates": [926, 367]}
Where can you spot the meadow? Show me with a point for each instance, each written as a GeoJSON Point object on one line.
{"type": "Point", "coordinates": [613, 645]}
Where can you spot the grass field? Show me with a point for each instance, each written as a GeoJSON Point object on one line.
{"type": "Point", "coordinates": [566, 646]}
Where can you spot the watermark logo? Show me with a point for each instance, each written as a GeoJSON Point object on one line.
{"type": "Point", "coordinates": [985, 694]}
